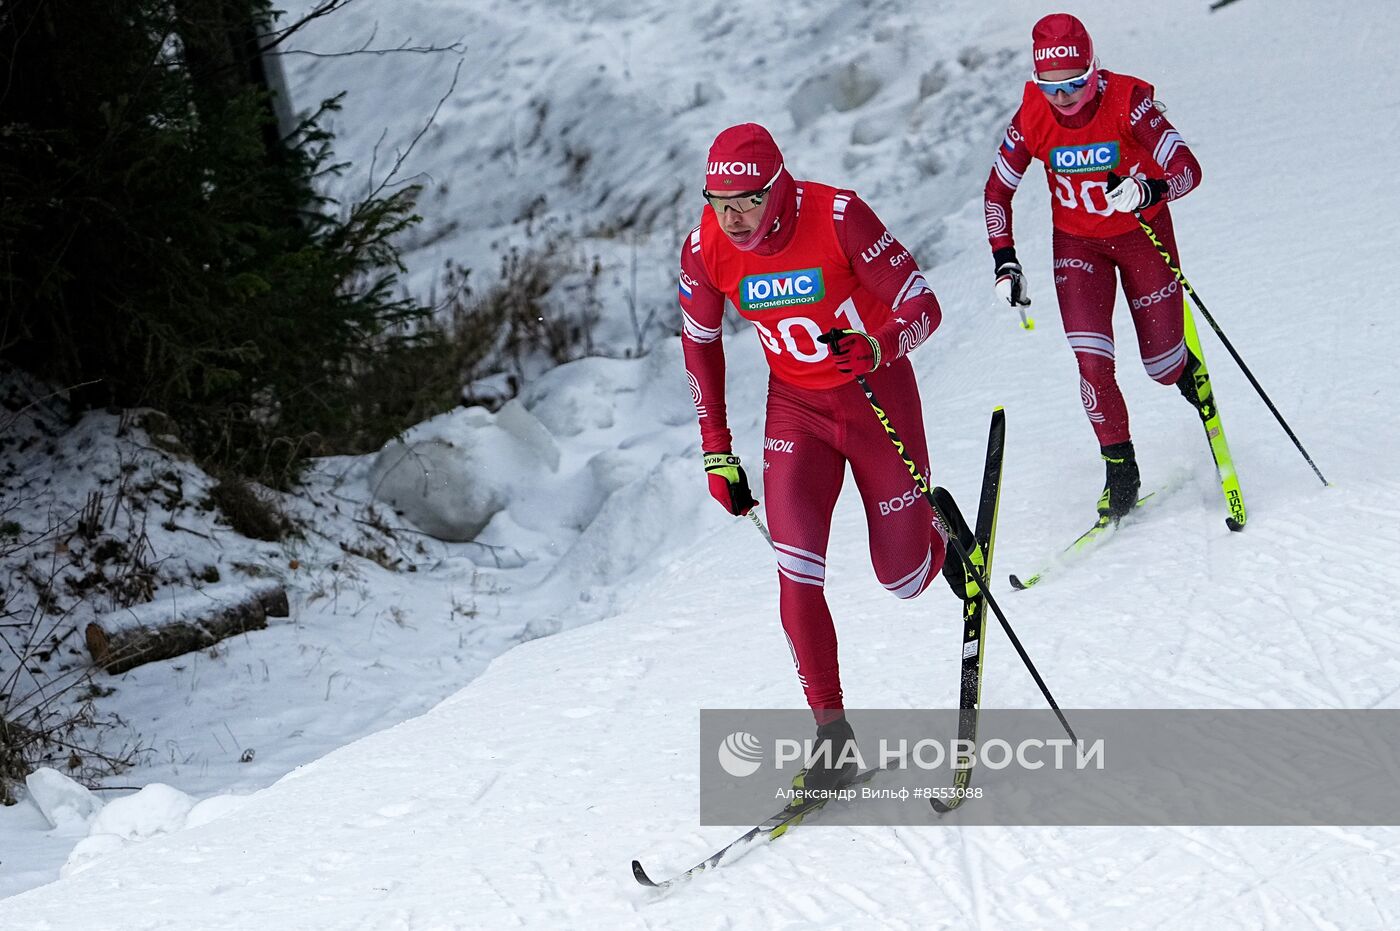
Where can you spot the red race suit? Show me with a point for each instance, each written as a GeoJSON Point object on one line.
{"type": "Point", "coordinates": [1124, 131]}
{"type": "Point", "coordinates": [834, 265]}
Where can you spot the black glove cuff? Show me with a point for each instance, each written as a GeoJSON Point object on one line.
{"type": "Point", "coordinates": [1157, 191]}
{"type": "Point", "coordinates": [1003, 255]}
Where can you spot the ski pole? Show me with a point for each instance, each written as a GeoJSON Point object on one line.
{"type": "Point", "coordinates": [922, 484]}
{"type": "Point", "coordinates": [758, 522]}
{"type": "Point", "coordinates": [1027, 323]}
{"type": "Point", "coordinates": [1186, 286]}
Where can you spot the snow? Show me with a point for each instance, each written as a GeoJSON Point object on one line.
{"type": "Point", "coordinates": [67, 806]}
{"type": "Point", "coordinates": [607, 600]}
{"type": "Point", "coordinates": [450, 475]}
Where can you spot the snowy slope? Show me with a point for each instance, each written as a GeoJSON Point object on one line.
{"type": "Point", "coordinates": [521, 799]}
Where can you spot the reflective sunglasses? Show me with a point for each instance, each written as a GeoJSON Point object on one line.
{"type": "Point", "coordinates": [742, 202]}
{"type": "Point", "coordinates": [1069, 85]}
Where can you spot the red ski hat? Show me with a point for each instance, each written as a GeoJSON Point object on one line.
{"type": "Point", "coordinates": [1059, 42]}
{"type": "Point", "coordinates": [742, 158]}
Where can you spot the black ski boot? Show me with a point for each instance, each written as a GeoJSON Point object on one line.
{"type": "Point", "coordinates": [1196, 390]}
{"type": "Point", "coordinates": [1120, 488]}
{"type": "Point", "coordinates": [963, 583]}
{"type": "Point", "coordinates": [832, 764]}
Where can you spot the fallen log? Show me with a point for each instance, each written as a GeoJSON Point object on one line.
{"type": "Point", "coordinates": [181, 623]}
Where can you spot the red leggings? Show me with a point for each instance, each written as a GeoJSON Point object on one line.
{"type": "Point", "coordinates": [1085, 286]}
{"type": "Point", "coordinates": [811, 436]}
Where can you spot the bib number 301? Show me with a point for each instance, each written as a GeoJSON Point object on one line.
{"type": "Point", "coordinates": [789, 326]}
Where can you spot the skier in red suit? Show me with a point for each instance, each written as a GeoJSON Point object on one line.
{"type": "Point", "coordinates": [1089, 126]}
{"type": "Point", "coordinates": [798, 260]}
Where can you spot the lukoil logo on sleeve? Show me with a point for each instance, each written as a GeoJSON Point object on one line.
{"type": "Point", "coordinates": [781, 289]}
{"type": "Point", "coordinates": [1084, 159]}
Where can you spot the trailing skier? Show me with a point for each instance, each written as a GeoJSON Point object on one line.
{"type": "Point", "coordinates": [1090, 126]}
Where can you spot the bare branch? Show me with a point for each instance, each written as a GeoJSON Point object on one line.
{"type": "Point", "coordinates": [458, 47]}
{"type": "Point", "coordinates": [403, 156]}
{"type": "Point", "coordinates": [323, 8]}
{"type": "Point", "coordinates": [10, 419]}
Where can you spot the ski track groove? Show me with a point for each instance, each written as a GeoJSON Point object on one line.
{"type": "Point", "coordinates": [853, 895]}
{"type": "Point", "coordinates": [787, 880]}
{"type": "Point", "coordinates": [920, 854]}
{"type": "Point", "coordinates": [971, 870]}
{"type": "Point", "coordinates": [1231, 863]}
{"type": "Point", "coordinates": [1305, 611]}
{"type": "Point", "coordinates": [1388, 699]}
{"type": "Point", "coordinates": [1343, 697]}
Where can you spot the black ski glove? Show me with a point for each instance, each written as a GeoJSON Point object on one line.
{"type": "Point", "coordinates": [1011, 281]}
{"type": "Point", "coordinates": [728, 483]}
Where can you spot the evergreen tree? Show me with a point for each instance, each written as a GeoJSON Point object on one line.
{"type": "Point", "coordinates": [165, 246]}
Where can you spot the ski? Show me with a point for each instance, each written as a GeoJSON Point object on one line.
{"type": "Point", "coordinates": [974, 608]}
{"type": "Point", "coordinates": [771, 829]}
{"type": "Point", "coordinates": [1086, 542]}
{"type": "Point", "coordinates": [1215, 431]}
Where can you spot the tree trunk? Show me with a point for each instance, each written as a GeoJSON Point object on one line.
{"type": "Point", "coordinates": [221, 40]}
{"type": "Point", "coordinates": [123, 640]}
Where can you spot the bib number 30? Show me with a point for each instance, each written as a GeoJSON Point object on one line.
{"type": "Point", "coordinates": [1089, 191]}
{"type": "Point", "coordinates": [1093, 195]}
